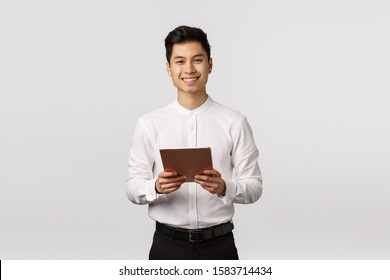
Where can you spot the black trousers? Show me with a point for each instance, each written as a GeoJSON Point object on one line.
{"type": "Point", "coordinates": [220, 248]}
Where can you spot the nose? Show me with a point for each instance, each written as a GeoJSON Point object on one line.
{"type": "Point", "coordinates": [189, 67]}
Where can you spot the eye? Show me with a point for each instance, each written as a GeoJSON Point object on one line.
{"type": "Point", "coordinates": [179, 61]}
{"type": "Point", "coordinates": [198, 60]}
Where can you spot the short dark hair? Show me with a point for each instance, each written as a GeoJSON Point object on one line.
{"type": "Point", "coordinates": [184, 34]}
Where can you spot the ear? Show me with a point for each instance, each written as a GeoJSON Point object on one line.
{"type": "Point", "coordinates": [168, 67]}
{"type": "Point", "coordinates": [210, 65]}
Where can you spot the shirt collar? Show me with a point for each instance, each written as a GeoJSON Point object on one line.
{"type": "Point", "coordinates": [196, 111]}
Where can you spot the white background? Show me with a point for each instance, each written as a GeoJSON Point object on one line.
{"type": "Point", "coordinates": [311, 76]}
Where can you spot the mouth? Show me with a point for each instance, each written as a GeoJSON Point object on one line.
{"type": "Point", "coordinates": [190, 79]}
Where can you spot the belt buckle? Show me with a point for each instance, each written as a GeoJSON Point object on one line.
{"type": "Point", "coordinates": [192, 234]}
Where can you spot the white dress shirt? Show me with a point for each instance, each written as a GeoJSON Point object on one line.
{"type": "Point", "coordinates": [234, 155]}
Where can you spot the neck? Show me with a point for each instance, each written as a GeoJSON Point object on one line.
{"type": "Point", "coordinates": [191, 101]}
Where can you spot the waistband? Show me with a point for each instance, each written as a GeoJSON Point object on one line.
{"type": "Point", "coordinates": [195, 235]}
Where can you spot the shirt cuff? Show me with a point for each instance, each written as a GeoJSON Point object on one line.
{"type": "Point", "coordinates": [151, 193]}
{"type": "Point", "coordinates": [230, 192]}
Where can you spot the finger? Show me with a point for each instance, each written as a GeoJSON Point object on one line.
{"type": "Point", "coordinates": [170, 188]}
{"type": "Point", "coordinates": [173, 180]}
{"type": "Point", "coordinates": [212, 172]}
{"type": "Point", "coordinates": [208, 185]}
{"type": "Point", "coordinates": [210, 190]}
{"type": "Point", "coordinates": [170, 183]}
{"type": "Point", "coordinates": [168, 174]}
{"type": "Point", "coordinates": [209, 176]}
{"type": "Point", "coordinates": [203, 178]}
{"type": "Point", "coordinates": [208, 179]}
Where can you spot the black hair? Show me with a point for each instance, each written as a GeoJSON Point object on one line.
{"type": "Point", "coordinates": [184, 34]}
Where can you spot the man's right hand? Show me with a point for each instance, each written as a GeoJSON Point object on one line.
{"type": "Point", "coordinates": [168, 182]}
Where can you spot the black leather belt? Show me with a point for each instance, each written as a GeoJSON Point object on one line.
{"type": "Point", "coordinates": [195, 235]}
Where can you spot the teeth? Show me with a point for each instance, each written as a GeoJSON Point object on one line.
{"type": "Point", "coordinates": [190, 79]}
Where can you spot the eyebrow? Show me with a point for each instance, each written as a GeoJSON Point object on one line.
{"type": "Point", "coordinates": [182, 57]}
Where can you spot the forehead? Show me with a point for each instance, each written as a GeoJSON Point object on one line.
{"type": "Point", "coordinates": [188, 49]}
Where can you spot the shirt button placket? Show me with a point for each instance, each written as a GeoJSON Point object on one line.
{"type": "Point", "coordinates": [193, 213]}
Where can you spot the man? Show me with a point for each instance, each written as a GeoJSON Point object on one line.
{"type": "Point", "coordinates": [193, 219]}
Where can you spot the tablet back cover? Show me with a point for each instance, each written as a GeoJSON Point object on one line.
{"type": "Point", "coordinates": [187, 161]}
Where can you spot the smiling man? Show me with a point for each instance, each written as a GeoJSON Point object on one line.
{"type": "Point", "coordinates": [193, 219]}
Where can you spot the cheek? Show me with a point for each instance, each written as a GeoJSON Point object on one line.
{"type": "Point", "coordinates": [204, 70]}
{"type": "Point", "coordinates": [175, 72]}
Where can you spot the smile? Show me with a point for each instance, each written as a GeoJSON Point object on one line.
{"type": "Point", "coordinates": [190, 79]}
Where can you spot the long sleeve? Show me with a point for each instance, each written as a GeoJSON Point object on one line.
{"type": "Point", "coordinates": [246, 187]}
{"type": "Point", "coordinates": [140, 187]}
{"type": "Point", "coordinates": [234, 154]}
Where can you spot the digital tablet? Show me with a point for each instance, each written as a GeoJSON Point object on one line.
{"type": "Point", "coordinates": [187, 161]}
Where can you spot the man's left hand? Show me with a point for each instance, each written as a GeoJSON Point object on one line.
{"type": "Point", "coordinates": [211, 181]}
